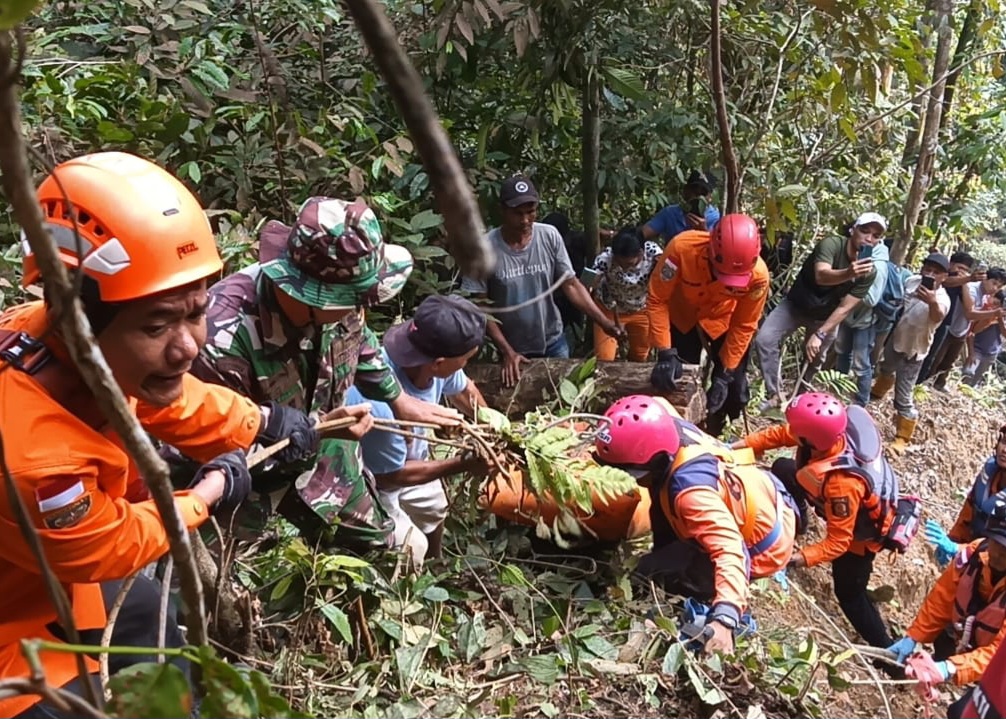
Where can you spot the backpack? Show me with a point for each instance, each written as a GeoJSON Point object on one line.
{"type": "Point", "coordinates": [892, 299]}
{"type": "Point", "coordinates": [864, 456]}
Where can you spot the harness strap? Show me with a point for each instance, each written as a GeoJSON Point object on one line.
{"type": "Point", "coordinates": [23, 352]}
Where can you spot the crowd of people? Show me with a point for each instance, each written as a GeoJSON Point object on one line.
{"type": "Point", "coordinates": [281, 349]}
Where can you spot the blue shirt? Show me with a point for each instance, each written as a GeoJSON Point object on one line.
{"type": "Point", "coordinates": [384, 452]}
{"type": "Point", "coordinates": [671, 221]}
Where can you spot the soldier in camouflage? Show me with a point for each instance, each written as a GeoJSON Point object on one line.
{"type": "Point", "coordinates": [291, 329]}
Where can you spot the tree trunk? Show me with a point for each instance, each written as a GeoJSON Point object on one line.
{"type": "Point", "coordinates": [590, 155]}
{"type": "Point", "coordinates": [965, 40]}
{"type": "Point", "coordinates": [923, 176]}
{"type": "Point", "coordinates": [732, 200]}
{"type": "Point", "coordinates": [541, 378]}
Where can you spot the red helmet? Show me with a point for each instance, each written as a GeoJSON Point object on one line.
{"type": "Point", "coordinates": [817, 418]}
{"type": "Point", "coordinates": [734, 248]}
{"type": "Point", "coordinates": [641, 428]}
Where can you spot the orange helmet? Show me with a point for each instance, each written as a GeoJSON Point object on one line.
{"type": "Point", "coordinates": [141, 231]}
{"type": "Point", "coordinates": [735, 245]}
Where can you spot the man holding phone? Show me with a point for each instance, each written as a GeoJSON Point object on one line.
{"type": "Point", "coordinates": [694, 212]}
{"type": "Point", "coordinates": [834, 278]}
{"type": "Point", "coordinates": [926, 304]}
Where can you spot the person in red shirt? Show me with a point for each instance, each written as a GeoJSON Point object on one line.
{"type": "Point", "coordinates": [858, 511]}
{"type": "Point", "coordinates": [718, 520]}
{"type": "Point", "coordinates": [145, 250]}
{"type": "Point", "coordinates": [708, 291]}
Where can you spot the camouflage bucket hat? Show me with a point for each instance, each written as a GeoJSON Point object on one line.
{"type": "Point", "coordinates": [335, 258]}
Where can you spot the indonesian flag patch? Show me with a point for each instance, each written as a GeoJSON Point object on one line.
{"type": "Point", "coordinates": [62, 502]}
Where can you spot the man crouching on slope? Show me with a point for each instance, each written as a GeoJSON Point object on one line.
{"type": "Point", "coordinates": [718, 520]}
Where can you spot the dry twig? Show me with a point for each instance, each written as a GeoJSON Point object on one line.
{"type": "Point", "coordinates": [106, 635]}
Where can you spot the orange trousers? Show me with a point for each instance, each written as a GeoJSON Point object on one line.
{"type": "Point", "coordinates": [636, 326]}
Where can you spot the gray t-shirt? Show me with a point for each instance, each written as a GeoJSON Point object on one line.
{"type": "Point", "coordinates": [521, 275]}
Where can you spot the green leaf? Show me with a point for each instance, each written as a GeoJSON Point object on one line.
{"type": "Point", "coordinates": [497, 421]}
{"type": "Point", "coordinates": [511, 575]}
{"type": "Point", "coordinates": [568, 391]}
{"type": "Point", "coordinates": [408, 660]}
{"type": "Point", "coordinates": [227, 692]}
{"type": "Point", "coordinates": [543, 668]}
{"type": "Point", "coordinates": [425, 220]}
{"type": "Point", "coordinates": [111, 132]}
{"type": "Point", "coordinates": [436, 594]}
{"type": "Point", "coordinates": [281, 588]}
{"type": "Point", "coordinates": [471, 635]}
{"type": "Point", "coordinates": [625, 82]}
{"type": "Point", "coordinates": [674, 659]}
{"type": "Point", "coordinates": [211, 74]}
{"type": "Point", "coordinates": [708, 693]}
{"type": "Point", "coordinates": [339, 621]}
{"type": "Point", "coordinates": [791, 190]}
{"type": "Point", "coordinates": [837, 681]}
{"type": "Point", "coordinates": [150, 690]}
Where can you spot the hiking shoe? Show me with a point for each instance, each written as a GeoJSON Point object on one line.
{"type": "Point", "coordinates": [767, 404]}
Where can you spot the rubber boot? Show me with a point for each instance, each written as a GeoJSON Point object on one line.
{"type": "Point", "coordinates": [904, 428]}
{"type": "Point", "coordinates": [881, 386]}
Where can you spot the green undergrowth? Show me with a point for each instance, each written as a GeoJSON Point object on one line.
{"type": "Point", "coordinates": [503, 626]}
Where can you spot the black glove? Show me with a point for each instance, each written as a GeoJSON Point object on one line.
{"type": "Point", "coordinates": [237, 480]}
{"type": "Point", "coordinates": [289, 423]}
{"type": "Point", "coordinates": [666, 371]}
{"type": "Point", "coordinates": [716, 397]}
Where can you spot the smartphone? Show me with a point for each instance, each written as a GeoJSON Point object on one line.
{"type": "Point", "coordinates": [589, 277]}
{"type": "Point", "coordinates": [697, 207]}
{"type": "Point", "coordinates": [929, 282]}
{"type": "Point", "coordinates": [983, 266]}
{"type": "Point", "coordinates": [865, 252]}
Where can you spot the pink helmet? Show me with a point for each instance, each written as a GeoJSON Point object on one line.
{"type": "Point", "coordinates": [817, 418]}
{"type": "Point", "coordinates": [641, 428]}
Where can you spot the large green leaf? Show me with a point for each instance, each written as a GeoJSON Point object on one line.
{"type": "Point", "coordinates": [150, 690]}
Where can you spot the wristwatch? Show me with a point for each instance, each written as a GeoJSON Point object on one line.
{"type": "Point", "coordinates": [821, 335]}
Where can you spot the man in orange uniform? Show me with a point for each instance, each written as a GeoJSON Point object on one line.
{"type": "Point", "coordinates": [708, 290]}
{"type": "Point", "coordinates": [835, 444]}
{"type": "Point", "coordinates": [963, 614]}
{"type": "Point", "coordinates": [718, 520]}
{"type": "Point", "coordinates": [988, 489]}
{"type": "Point", "coordinates": [147, 251]}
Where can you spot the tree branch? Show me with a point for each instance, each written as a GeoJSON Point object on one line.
{"type": "Point", "coordinates": [455, 200]}
{"type": "Point", "coordinates": [75, 331]}
{"type": "Point", "coordinates": [733, 183]}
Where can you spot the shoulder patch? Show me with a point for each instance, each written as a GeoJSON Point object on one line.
{"type": "Point", "coordinates": [963, 556]}
{"type": "Point", "coordinates": [840, 507]}
{"type": "Point", "coordinates": [668, 269]}
{"type": "Point", "coordinates": [70, 515]}
{"type": "Point", "coordinates": [757, 292]}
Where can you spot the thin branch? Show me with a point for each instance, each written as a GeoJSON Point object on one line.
{"type": "Point", "coordinates": [106, 635]}
{"type": "Point", "coordinates": [455, 200]}
{"type": "Point", "coordinates": [824, 154]}
{"type": "Point", "coordinates": [733, 180]}
{"type": "Point", "coordinates": [767, 119]}
{"type": "Point", "coordinates": [76, 333]}
{"type": "Point", "coordinates": [60, 698]}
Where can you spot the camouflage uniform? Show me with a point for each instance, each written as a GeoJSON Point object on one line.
{"type": "Point", "coordinates": [334, 258]}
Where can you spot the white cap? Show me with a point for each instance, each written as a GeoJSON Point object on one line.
{"type": "Point", "coordinates": [872, 217]}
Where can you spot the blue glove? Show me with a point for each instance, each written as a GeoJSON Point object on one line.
{"type": "Point", "coordinates": [782, 579]}
{"type": "Point", "coordinates": [903, 648]}
{"type": "Point", "coordinates": [946, 670]}
{"type": "Point", "coordinates": [946, 548]}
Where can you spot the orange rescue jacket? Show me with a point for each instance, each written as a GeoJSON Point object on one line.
{"type": "Point", "coordinates": [74, 481]}
{"type": "Point", "coordinates": [966, 600]}
{"type": "Point", "coordinates": [840, 499]}
{"type": "Point", "coordinates": [684, 291]}
{"type": "Point", "coordinates": [731, 508]}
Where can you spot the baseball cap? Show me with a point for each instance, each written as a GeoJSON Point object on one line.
{"type": "Point", "coordinates": [517, 191]}
{"type": "Point", "coordinates": [443, 326]}
{"type": "Point", "coordinates": [995, 526]}
{"type": "Point", "coordinates": [872, 217]}
{"type": "Point", "coordinates": [335, 257]}
{"type": "Point", "coordinates": [939, 259]}
{"type": "Point", "coordinates": [699, 182]}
